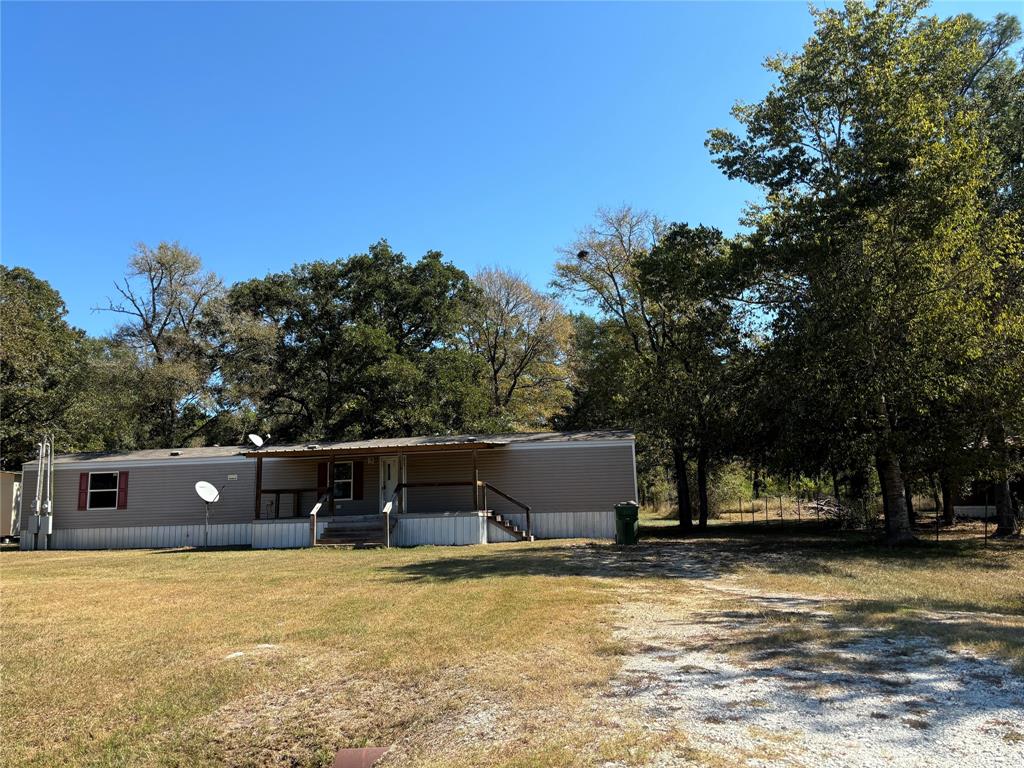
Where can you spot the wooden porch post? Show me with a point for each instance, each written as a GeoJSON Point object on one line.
{"type": "Point", "coordinates": [330, 484]}
{"type": "Point", "coordinates": [476, 484]}
{"type": "Point", "coordinates": [403, 479]}
{"type": "Point", "coordinates": [259, 486]}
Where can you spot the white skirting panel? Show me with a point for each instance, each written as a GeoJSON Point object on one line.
{"type": "Point", "coordinates": [150, 537]}
{"type": "Point", "coordinates": [445, 529]}
{"type": "Point", "coordinates": [259, 535]}
{"type": "Point", "coordinates": [497, 535]}
{"type": "Point", "coordinates": [569, 525]}
{"type": "Point", "coordinates": [280, 535]}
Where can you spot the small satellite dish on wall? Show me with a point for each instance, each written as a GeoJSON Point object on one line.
{"type": "Point", "coordinates": [207, 491]}
{"type": "Point", "coordinates": [256, 440]}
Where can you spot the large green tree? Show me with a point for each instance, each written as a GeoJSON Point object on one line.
{"type": "Point", "coordinates": [42, 364]}
{"type": "Point", "coordinates": [874, 237]}
{"type": "Point", "coordinates": [358, 347]}
{"type": "Point", "coordinates": [667, 292]}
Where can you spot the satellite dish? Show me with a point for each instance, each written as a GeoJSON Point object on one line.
{"type": "Point", "coordinates": [207, 491]}
{"type": "Point", "coordinates": [256, 440]}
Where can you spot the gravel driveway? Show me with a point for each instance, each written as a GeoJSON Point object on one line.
{"type": "Point", "coordinates": [752, 679]}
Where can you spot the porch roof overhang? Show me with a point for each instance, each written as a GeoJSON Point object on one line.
{"type": "Point", "coordinates": [381, 446]}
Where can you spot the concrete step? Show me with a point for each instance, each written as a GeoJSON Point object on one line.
{"type": "Point", "coordinates": [350, 540]}
{"type": "Point", "coordinates": [351, 544]}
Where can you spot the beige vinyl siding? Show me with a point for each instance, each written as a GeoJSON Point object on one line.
{"type": "Point", "coordinates": [446, 467]}
{"type": "Point", "coordinates": [577, 477]}
{"type": "Point", "coordinates": [283, 474]}
{"type": "Point", "coordinates": [158, 494]}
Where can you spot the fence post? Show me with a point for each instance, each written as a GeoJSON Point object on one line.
{"type": "Point", "coordinates": [988, 495]}
{"type": "Point", "coordinates": [782, 517]}
{"type": "Point", "coordinates": [766, 510]}
{"type": "Point", "coordinates": [798, 507]}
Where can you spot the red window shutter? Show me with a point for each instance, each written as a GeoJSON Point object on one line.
{"type": "Point", "coordinates": [321, 478]}
{"type": "Point", "coordinates": [357, 480]}
{"type": "Point", "coordinates": [122, 490]}
{"type": "Point", "coordinates": [83, 490]}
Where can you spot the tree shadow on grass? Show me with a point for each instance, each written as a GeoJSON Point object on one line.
{"type": "Point", "coordinates": [857, 664]}
{"type": "Point", "coordinates": [835, 556]}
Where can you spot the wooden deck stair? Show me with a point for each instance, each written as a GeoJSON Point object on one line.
{"type": "Point", "coordinates": [508, 526]}
{"type": "Point", "coordinates": [354, 531]}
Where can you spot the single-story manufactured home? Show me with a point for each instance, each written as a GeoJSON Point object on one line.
{"type": "Point", "coordinates": [454, 489]}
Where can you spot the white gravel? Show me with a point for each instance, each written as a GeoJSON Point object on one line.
{"type": "Point", "coordinates": [867, 700]}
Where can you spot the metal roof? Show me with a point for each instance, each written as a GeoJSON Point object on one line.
{"type": "Point", "coordinates": [151, 454]}
{"type": "Point", "coordinates": [312, 448]}
{"type": "Point", "coordinates": [435, 442]}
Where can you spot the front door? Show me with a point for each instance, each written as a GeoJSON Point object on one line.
{"type": "Point", "coordinates": [389, 474]}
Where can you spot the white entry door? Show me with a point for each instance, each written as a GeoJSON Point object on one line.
{"type": "Point", "coordinates": [389, 474]}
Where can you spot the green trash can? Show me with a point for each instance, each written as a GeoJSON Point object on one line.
{"type": "Point", "coordinates": [627, 522]}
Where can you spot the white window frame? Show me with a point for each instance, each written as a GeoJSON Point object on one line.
{"type": "Point", "coordinates": [351, 481]}
{"type": "Point", "coordinates": [89, 491]}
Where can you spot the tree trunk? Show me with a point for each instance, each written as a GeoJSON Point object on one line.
{"type": "Point", "coordinates": [946, 484]}
{"type": "Point", "coordinates": [894, 502]}
{"type": "Point", "coordinates": [1006, 520]}
{"type": "Point", "coordinates": [702, 487]}
{"type": "Point", "coordinates": [908, 495]}
{"type": "Point", "coordinates": [682, 488]}
{"type": "Point", "coordinates": [936, 500]}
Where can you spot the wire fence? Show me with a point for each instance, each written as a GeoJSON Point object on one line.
{"type": "Point", "coordinates": [849, 514]}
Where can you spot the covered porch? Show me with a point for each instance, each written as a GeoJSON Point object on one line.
{"type": "Point", "coordinates": [402, 492]}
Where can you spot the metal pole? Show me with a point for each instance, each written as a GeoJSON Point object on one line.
{"type": "Point", "coordinates": [766, 510]}
{"type": "Point", "coordinates": [38, 501]}
{"type": "Point", "coordinates": [49, 494]}
{"type": "Point", "coordinates": [782, 518]}
{"type": "Point", "coordinates": [988, 495]}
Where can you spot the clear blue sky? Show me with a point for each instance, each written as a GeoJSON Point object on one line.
{"type": "Point", "coordinates": [264, 134]}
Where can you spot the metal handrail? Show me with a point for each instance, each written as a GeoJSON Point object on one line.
{"type": "Point", "coordinates": [277, 493]}
{"type": "Point", "coordinates": [517, 502]}
{"type": "Point", "coordinates": [479, 484]}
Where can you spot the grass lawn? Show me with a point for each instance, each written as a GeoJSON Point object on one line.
{"type": "Point", "coordinates": [123, 658]}
{"type": "Point", "coordinates": [151, 658]}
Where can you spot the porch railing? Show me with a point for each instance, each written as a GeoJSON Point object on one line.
{"type": "Point", "coordinates": [277, 493]}
{"type": "Point", "coordinates": [477, 485]}
{"type": "Point", "coordinates": [525, 507]}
